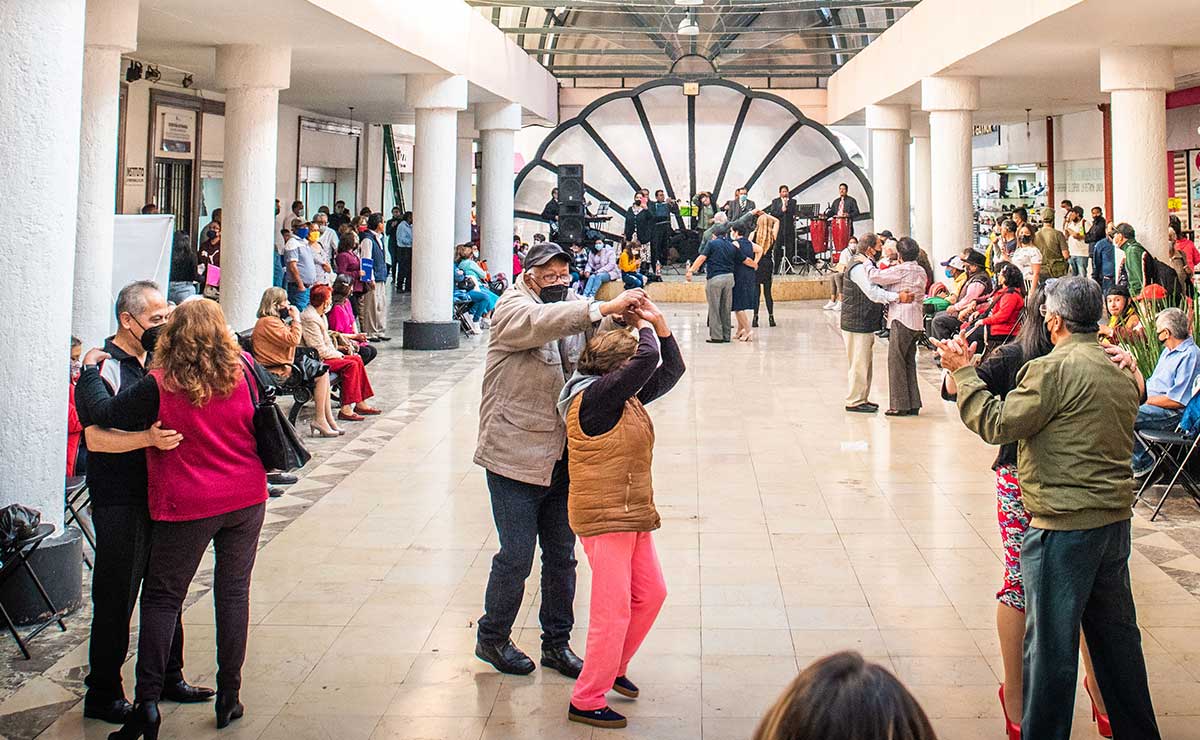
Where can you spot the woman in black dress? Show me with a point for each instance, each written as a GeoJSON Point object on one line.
{"type": "Point", "coordinates": [745, 283]}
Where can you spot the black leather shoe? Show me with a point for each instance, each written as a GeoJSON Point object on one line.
{"type": "Point", "coordinates": [228, 708]}
{"type": "Point", "coordinates": [184, 693]}
{"type": "Point", "coordinates": [505, 657]}
{"type": "Point", "coordinates": [605, 717]}
{"type": "Point", "coordinates": [562, 659]}
{"type": "Point", "coordinates": [281, 479]}
{"type": "Point", "coordinates": [143, 722]}
{"type": "Point", "coordinates": [113, 711]}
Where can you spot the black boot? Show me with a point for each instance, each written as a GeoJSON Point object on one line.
{"type": "Point", "coordinates": [755, 322]}
{"type": "Point", "coordinates": [505, 657]}
{"type": "Point", "coordinates": [771, 320]}
{"type": "Point", "coordinates": [562, 659]}
{"type": "Point", "coordinates": [228, 708]}
{"type": "Point", "coordinates": [142, 722]}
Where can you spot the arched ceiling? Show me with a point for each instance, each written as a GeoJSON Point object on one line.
{"type": "Point", "coordinates": [793, 43]}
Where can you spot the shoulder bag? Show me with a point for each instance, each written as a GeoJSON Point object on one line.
{"type": "Point", "coordinates": [279, 446]}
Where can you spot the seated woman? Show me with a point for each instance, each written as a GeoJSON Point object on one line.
{"type": "Point", "coordinates": [346, 335]}
{"type": "Point", "coordinates": [466, 289]}
{"type": "Point", "coordinates": [464, 259]}
{"type": "Point", "coordinates": [1124, 323]}
{"type": "Point", "coordinates": [601, 268]}
{"type": "Point", "coordinates": [276, 336]}
{"type": "Point", "coordinates": [356, 388]}
{"type": "Point", "coordinates": [1000, 317]}
{"type": "Point", "coordinates": [630, 263]}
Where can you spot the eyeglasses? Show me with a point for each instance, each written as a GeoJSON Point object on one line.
{"type": "Point", "coordinates": [548, 279]}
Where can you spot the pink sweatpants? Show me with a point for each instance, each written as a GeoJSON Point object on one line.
{"type": "Point", "coordinates": [627, 592]}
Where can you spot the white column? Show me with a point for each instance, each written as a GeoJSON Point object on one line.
{"type": "Point", "coordinates": [40, 86]}
{"type": "Point", "coordinates": [437, 100]}
{"type": "Point", "coordinates": [251, 77]}
{"type": "Point", "coordinates": [950, 101]}
{"type": "Point", "coordinates": [497, 124]}
{"type": "Point", "coordinates": [111, 29]}
{"type": "Point", "coordinates": [464, 170]}
{"type": "Point", "coordinates": [922, 196]}
{"type": "Point", "coordinates": [888, 125]}
{"type": "Point", "coordinates": [1137, 79]}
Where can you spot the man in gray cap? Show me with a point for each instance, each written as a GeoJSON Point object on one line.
{"type": "Point", "coordinates": [538, 329]}
{"type": "Point", "coordinates": [1053, 246]}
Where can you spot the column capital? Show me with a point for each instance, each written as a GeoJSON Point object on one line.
{"type": "Point", "coordinates": [248, 66]}
{"type": "Point", "coordinates": [466, 125]}
{"type": "Point", "coordinates": [1136, 68]}
{"type": "Point", "coordinates": [490, 116]}
{"type": "Point", "coordinates": [436, 91]}
{"type": "Point", "coordinates": [919, 127]}
{"type": "Point", "coordinates": [950, 93]}
{"type": "Point", "coordinates": [887, 116]}
{"type": "Point", "coordinates": [111, 24]}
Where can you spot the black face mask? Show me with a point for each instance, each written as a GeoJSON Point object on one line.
{"type": "Point", "coordinates": [1026, 239]}
{"type": "Point", "coordinates": [150, 337]}
{"type": "Point", "coordinates": [553, 293]}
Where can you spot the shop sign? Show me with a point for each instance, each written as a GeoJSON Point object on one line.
{"type": "Point", "coordinates": [986, 135]}
{"type": "Point", "coordinates": [135, 175]}
{"type": "Point", "coordinates": [177, 132]}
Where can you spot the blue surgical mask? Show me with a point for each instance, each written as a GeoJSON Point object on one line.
{"type": "Point", "coordinates": [949, 273]}
{"type": "Point", "coordinates": [302, 233]}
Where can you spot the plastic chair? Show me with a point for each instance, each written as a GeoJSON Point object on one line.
{"type": "Point", "coordinates": [1166, 445]}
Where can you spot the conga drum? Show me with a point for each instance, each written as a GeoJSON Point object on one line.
{"type": "Point", "coordinates": [841, 232]}
{"type": "Point", "coordinates": [818, 232]}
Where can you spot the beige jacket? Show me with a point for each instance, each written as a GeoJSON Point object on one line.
{"type": "Point", "coordinates": [315, 330]}
{"type": "Point", "coordinates": [532, 350]}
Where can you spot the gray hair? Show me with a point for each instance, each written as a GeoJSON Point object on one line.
{"type": "Point", "coordinates": [132, 298]}
{"type": "Point", "coordinates": [1077, 301]}
{"type": "Point", "coordinates": [1175, 321]}
{"type": "Point", "coordinates": [720, 218]}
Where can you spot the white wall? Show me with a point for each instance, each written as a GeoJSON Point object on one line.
{"type": "Point", "coordinates": [1182, 124]}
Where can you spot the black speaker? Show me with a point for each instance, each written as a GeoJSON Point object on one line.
{"type": "Point", "coordinates": [570, 183]}
{"type": "Point", "coordinates": [571, 222]}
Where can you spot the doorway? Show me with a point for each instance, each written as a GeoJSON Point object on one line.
{"type": "Point", "coordinates": [173, 190]}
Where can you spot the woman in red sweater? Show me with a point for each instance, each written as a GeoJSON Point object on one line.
{"type": "Point", "coordinates": [1000, 317]}
{"type": "Point", "coordinates": [209, 489]}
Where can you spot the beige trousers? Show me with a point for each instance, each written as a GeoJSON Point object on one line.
{"type": "Point", "coordinates": [370, 322]}
{"type": "Point", "coordinates": [858, 357]}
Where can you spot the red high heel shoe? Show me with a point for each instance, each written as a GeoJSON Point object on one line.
{"type": "Point", "coordinates": [1012, 728]}
{"type": "Point", "coordinates": [1102, 724]}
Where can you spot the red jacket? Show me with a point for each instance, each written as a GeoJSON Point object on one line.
{"type": "Point", "coordinates": [1002, 320]}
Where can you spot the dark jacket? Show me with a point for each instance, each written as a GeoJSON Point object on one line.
{"type": "Point", "coordinates": [115, 478]}
{"type": "Point", "coordinates": [1104, 260]}
{"type": "Point", "coordinates": [641, 224]}
{"type": "Point", "coordinates": [851, 207]}
{"type": "Point", "coordinates": [1096, 231]}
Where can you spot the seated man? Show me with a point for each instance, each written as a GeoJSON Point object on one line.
{"type": "Point", "coordinates": [1169, 389]}
{"type": "Point", "coordinates": [978, 285]}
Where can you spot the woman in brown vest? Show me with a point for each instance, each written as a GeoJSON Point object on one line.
{"type": "Point", "coordinates": [610, 443]}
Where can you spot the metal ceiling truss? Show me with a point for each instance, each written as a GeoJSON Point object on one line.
{"type": "Point", "coordinates": [804, 32]}
{"type": "Point", "coordinates": [619, 6]}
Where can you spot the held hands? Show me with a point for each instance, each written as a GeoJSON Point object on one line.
{"type": "Point", "coordinates": [624, 302]}
{"type": "Point", "coordinates": [163, 439]}
{"type": "Point", "coordinates": [955, 353]}
{"type": "Point", "coordinates": [906, 296]}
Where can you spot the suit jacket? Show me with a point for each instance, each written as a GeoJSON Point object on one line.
{"type": "Point", "coordinates": [785, 212]}
{"type": "Point", "coordinates": [851, 208]}
{"type": "Point", "coordinates": [736, 209]}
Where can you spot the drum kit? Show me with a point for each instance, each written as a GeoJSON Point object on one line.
{"type": "Point", "coordinates": [826, 236]}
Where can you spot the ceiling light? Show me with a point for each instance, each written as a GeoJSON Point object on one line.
{"type": "Point", "coordinates": [134, 72]}
{"type": "Point", "coordinates": [188, 81]}
{"type": "Point", "coordinates": [689, 2]}
{"type": "Point", "coordinates": [688, 27]}
{"type": "Point", "coordinates": [152, 74]}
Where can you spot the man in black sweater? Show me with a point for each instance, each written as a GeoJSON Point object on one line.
{"type": "Point", "coordinates": [117, 483]}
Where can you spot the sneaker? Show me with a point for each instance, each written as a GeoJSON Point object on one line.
{"type": "Point", "coordinates": [623, 686]}
{"type": "Point", "coordinates": [605, 717]}
{"type": "Point", "coordinates": [485, 323]}
{"type": "Point", "coordinates": [829, 306]}
{"type": "Point", "coordinates": [837, 306]}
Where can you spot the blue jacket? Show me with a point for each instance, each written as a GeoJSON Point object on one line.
{"type": "Point", "coordinates": [1104, 261]}
{"type": "Point", "coordinates": [378, 257]}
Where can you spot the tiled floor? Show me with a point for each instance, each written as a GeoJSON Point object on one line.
{"type": "Point", "coordinates": [790, 529]}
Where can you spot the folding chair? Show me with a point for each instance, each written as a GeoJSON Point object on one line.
{"type": "Point", "coordinates": [13, 560]}
{"type": "Point", "coordinates": [76, 512]}
{"type": "Point", "coordinates": [1165, 446]}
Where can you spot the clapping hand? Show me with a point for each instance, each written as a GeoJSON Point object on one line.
{"type": "Point", "coordinates": [955, 353]}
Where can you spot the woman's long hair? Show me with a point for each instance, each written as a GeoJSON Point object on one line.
{"type": "Point", "coordinates": [843, 697]}
{"type": "Point", "coordinates": [272, 299]}
{"type": "Point", "coordinates": [1032, 337]}
{"type": "Point", "coordinates": [197, 353]}
{"type": "Point", "coordinates": [464, 252]}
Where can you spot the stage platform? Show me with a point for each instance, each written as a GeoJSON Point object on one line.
{"type": "Point", "coordinates": [674, 289]}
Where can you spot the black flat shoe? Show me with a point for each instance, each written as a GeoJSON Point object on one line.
{"type": "Point", "coordinates": [605, 717]}
{"type": "Point", "coordinates": [863, 408]}
{"type": "Point", "coordinates": [754, 324]}
{"type": "Point", "coordinates": [114, 711]}
{"type": "Point", "coordinates": [228, 708]}
{"type": "Point", "coordinates": [625, 687]}
{"type": "Point", "coordinates": [143, 722]}
{"type": "Point", "coordinates": [717, 341]}
{"type": "Point", "coordinates": [184, 693]}
{"type": "Point", "coordinates": [894, 412]}
{"type": "Point", "coordinates": [562, 659]}
{"type": "Point", "coordinates": [505, 657]}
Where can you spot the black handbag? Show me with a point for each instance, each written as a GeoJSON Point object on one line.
{"type": "Point", "coordinates": [279, 446]}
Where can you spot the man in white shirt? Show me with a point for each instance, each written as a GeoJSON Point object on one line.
{"type": "Point", "coordinates": [326, 245]}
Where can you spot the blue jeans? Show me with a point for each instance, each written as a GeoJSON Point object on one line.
{"type": "Point", "coordinates": [525, 516]}
{"type": "Point", "coordinates": [594, 282]}
{"type": "Point", "coordinates": [1074, 578]}
{"type": "Point", "coordinates": [298, 298]}
{"type": "Point", "coordinates": [1079, 266]}
{"type": "Point", "coordinates": [1151, 417]}
{"type": "Point", "coordinates": [633, 280]}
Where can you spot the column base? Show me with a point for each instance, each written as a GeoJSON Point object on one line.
{"type": "Point", "coordinates": [59, 565]}
{"type": "Point", "coordinates": [426, 335]}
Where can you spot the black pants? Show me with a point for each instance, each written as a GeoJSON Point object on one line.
{"type": "Point", "coordinates": [945, 326]}
{"type": "Point", "coordinates": [658, 244]}
{"type": "Point", "coordinates": [367, 353]}
{"type": "Point", "coordinates": [122, 550]}
{"type": "Point", "coordinates": [175, 551]}
{"type": "Point", "coordinates": [765, 278]}
{"type": "Point", "coordinates": [525, 516]}
{"type": "Point", "coordinates": [402, 262]}
{"type": "Point", "coordinates": [1072, 578]}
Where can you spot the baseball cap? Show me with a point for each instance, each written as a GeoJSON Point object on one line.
{"type": "Point", "coordinates": [955, 262]}
{"type": "Point", "coordinates": [540, 254]}
{"type": "Point", "coordinates": [1048, 214]}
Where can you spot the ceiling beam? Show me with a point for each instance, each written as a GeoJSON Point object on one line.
{"type": "Point", "coordinates": [805, 32]}
{"type": "Point", "coordinates": [742, 23]}
{"type": "Point", "coordinates": [660, 69]}
{"type": "Point", "coordinates": [671, 50]}
{"type": "Point", "coordinates": [616, 7]}
{"type": "Point", "coordinates": [780, 51]}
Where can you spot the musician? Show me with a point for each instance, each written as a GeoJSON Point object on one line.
{"type": "Point", "coordinates": [784, 209]}
{"type": "Point", "coordinates": [843, 205]}
{"type": "Point", "coordinates": [550, 211]}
